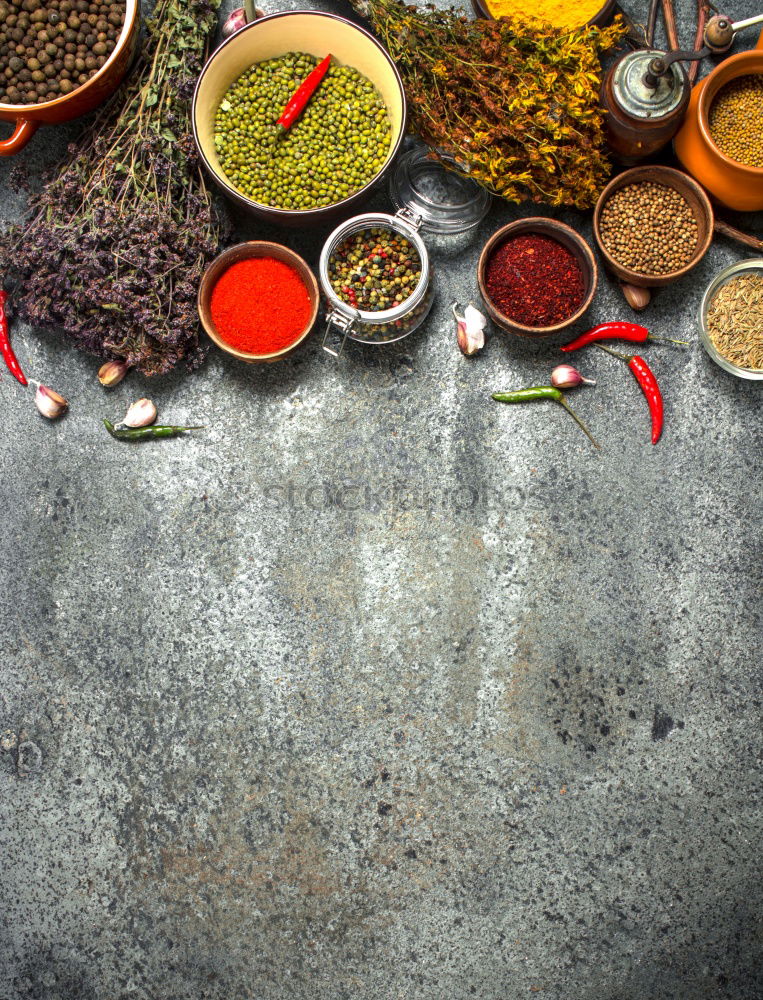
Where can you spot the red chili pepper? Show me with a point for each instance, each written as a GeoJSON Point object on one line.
{"type": "Point", "coordinates": [615, 331]}
{"type": "Point", "coordinates": [296, 103]}
{"type": "Point", "coordinates": [5, 345]}
{"type": "Point", "coordinates": [646, 379]}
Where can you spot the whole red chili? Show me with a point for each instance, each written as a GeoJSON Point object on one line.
{"type": "Point", "coordinates": [260, 305]}
{"type": "Point", "coordinates": [646, 379]}
{"type": "Point", "coordinates": [534, 280]}
{"type": "Point", "coordinates": [5, 345]}
{"type": "Point", "coordinates": [615, 331]}
{"type": "Point", "coordinates": [296, 103]}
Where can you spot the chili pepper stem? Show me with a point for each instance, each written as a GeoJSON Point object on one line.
{"type": "Point", "coordinates": [616, 354]}
{"type": "Point", "coordinates": [668, 340]}
{"type": "Point", "coordinates": [580, 423]}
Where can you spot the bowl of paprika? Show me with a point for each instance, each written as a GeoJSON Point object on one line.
{"type": "Point", "coordinates": [536, 276]}
{"type": "Point", "coordinates": [258, 301]}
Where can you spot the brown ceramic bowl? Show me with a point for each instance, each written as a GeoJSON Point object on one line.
{"type": "Point", "coordinates": [601, 19]}
{"type": "Point", "coordinates": [27, 118]}
{"type": "Point", "coordinates": [563, 234]}
{"type": "Point", "coordinates": [316, 33]}
{"type": "Point", "coordinates": [243, 251]}
{"type": "Point", "coordinates": [694, 195]}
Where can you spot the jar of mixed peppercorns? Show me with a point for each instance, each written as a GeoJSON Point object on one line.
{"type": "Point", "coordinates": [375, 275]}
{"type": "Point", "coordinates": [375, 270]}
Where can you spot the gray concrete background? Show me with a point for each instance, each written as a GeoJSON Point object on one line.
{"type": "Point", "coordinates": [495, 733]}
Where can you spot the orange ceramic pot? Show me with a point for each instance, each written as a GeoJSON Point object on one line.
{"type": "Point", "coordinates": [731, 183]}
{"type": "Point", "coordinates": [27, 118]}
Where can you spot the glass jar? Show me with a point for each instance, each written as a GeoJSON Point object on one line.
{"type": "Point", "coordinates": [430, 198]}
{"type": "Point", "coordinates": [386, 325]}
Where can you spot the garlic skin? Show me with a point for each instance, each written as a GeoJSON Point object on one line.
{"type": "Point", "coordinates": [50, 403]}
{"type": "Point", "coordinates": [112, 373]}
{"type": "Point", "coordinates": [567, 377]}
{"type": "Point", "coordinates": [470, 330]}
{"type": "Point", "coordinates": [141, 414]}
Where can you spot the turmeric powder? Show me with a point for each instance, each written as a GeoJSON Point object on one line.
{"type": "Point", "coordinates": [558, 13]}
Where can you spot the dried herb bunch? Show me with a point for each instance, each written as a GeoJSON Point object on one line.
{"type": "Point", "coordinates": [516, 107]}
{"type": "Point", "coordinates": [119, 235]}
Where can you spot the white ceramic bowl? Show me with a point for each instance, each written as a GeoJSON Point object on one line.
{"type": "Point", "coordinates": [295, 31]}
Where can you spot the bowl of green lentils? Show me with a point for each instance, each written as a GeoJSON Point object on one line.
{"type": "Point", "coordinates": [341, 145]}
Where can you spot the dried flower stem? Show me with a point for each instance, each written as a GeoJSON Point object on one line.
{"type": "Point", "coordinates": [118, 238]}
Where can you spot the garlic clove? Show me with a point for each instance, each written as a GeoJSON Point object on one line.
{"type": "Point", "coordinates": [49, 402]}
{"type": "Point", "coordinates": [237, 19]}
{"type": "Point", "coordinates": [112, 373]}
{"type": "Point", "coordinates": [470, 330]}
{"type": "Point", "coordinates": [567, 377]}
{"type": "Point", "coordinates": [141, 414]}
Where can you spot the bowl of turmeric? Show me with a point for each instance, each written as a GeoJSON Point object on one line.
{"type": "Point", "coordinates": [557, 13]}
{"type": "Point", "coordinates": [258, 301]}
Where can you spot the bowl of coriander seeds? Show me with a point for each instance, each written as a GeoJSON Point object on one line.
{"type": "Point", "coordinates": [731, 319]}
{"type": "Point", "coordinates": [652, 225]}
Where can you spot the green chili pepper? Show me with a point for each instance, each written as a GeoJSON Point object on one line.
{"type": "Point", "coordinates": [144, 433]}
{"type": "Point", "coordinates": [543, 392]}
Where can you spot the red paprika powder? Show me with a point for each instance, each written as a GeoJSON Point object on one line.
{"type": "Point", "coordinates": [534, 280]}
{"type": "Point", "coordinates": [260, 305]}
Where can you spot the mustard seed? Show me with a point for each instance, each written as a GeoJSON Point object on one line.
{"type": "Point", "coordinates": [736, 120]}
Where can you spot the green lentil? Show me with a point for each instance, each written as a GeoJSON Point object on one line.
{"type": "Point", "coordinates": [374, 269]}
{"type": "Point", "coordinates": [336, 147]}
{"type": "Point", "coordinates": [736, 120]}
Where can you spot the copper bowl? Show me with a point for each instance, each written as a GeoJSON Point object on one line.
{"type": "Point", "coordinates": [28, 117]}
{"type": "Point", "coordinates": [563, 234]}
{"type": "Point", "coordinates": [698, 202]}
{"type": "Point", "coordinates": [601, 18]}
{"type": "Point", "coordinates": [244, 251]}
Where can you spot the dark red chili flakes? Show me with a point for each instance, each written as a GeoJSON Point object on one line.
{"type": "Point", "coordinates": [534, 280]}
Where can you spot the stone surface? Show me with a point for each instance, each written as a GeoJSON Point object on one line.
{"type": "Point", "coordinates": [485, 724]}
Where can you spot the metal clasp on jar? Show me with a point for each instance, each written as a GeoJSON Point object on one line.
{"type": "Point", "coordinates": [343, 323]}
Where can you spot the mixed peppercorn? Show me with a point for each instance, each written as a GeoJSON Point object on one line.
{"type": "Point", "coordinates": [374, 269]}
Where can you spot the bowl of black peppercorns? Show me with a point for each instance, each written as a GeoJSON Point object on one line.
{"type": "Point", "coordinates": [60, 59]}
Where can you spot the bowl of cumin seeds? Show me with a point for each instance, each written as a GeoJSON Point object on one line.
{"type": "Point", "coordinates": [731, 319]}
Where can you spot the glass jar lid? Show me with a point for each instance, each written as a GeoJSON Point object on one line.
{"type": "Point", "coordinates": [446, 201]}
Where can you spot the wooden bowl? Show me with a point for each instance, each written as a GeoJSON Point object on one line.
{"type": "Point", "coordinates": [539, 226]}
{"type": "Point", "coordinates": [27, 118]}
{"type": "Point", "coordinates": [604, 16]}
{"type": "Point", "coordinates": [317, 34]}
{"type": "Point", "coordinates": [244, 251]}
{"type": "Point", "coordinates": [698, 202]}
{"type": "Point", "coordinates": [734, 184]}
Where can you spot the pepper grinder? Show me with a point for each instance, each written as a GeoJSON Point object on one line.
{"type": "Point", "coordinates": [643, 114]}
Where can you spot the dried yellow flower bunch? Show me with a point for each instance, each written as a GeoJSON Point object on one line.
{"type": "Point", "coordinates": [515, 108]}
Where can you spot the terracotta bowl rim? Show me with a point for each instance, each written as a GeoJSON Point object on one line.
{"type": "Point", "coordinates": [542, 225]}
{"type": "Point", "coordinates": [306, 214]}
{"type": "Point", "coordinates": [23, 110]}
{"type": "Point", "coordinates": [659, 174]}
{"type": "Point", "coordinates": [708, 94]}
{"type": "Point", "coordinates": [205, 293]}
